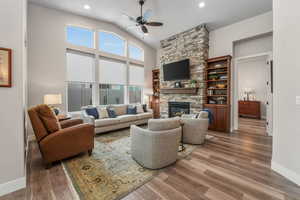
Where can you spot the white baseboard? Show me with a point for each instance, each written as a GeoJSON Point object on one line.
{"type": "Point", "coordinates": [12, 186]}
{"type": "Point", "coordinates": [287, 173]}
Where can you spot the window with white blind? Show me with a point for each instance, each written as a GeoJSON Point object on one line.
{"type": "Point", "coordinates": [136, 83]}
{"type": "Point", "coordinates": [112, 79]}
{"type": "Point", "coordinates": [80, 79]}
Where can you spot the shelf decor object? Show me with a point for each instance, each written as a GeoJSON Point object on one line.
{"type": "Point", "coordinates": [5, 67]}
{"type": "Point", "coordinates": [218, 81]}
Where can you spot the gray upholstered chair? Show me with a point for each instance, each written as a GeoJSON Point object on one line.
{"type": "Point", "coordinates": [157, 146]}
{"type": "Point", "coordinates": [195, 129]}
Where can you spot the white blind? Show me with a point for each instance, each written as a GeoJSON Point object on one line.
{"type": "Point", "coordinates": [136, 75]}
{"type": "Point", "coordinates": [80, 67]}
{"type": "Point", "coordinates": [112, 72]}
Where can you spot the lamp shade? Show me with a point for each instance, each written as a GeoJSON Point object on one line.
{"type": "Point", "coordinates": [52, 99]}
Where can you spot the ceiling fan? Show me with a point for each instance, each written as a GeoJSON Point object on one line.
{"type": "Point", "coordinates": [142, 21]}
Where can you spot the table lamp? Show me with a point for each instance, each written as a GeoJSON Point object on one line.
{"type": "Point", "coordinates": [52, 100]}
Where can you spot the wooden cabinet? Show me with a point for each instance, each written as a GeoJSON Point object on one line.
{"type": "Point", "coordinates": [250, 109]}
{"type": "Point", "coordinates": [221, 120]}
{"type": "Point", "coordinates": [218, 81]}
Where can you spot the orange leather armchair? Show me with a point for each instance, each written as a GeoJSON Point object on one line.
{"type": "Point", "coordinates": [73, 138]}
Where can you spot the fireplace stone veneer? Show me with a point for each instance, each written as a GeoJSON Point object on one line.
{"type": "Point", "coordinates": [191, 44]}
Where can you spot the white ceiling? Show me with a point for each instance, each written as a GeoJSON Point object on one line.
{"type": "Point", "coordinates": [177, 15]}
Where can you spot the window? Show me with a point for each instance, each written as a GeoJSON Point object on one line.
{"type": "Point", "coordinates": [135, 52]}
{"type": "Point", "coordinates": [112, 79]}
{"type": "Point", "coordinates": [135, 94]}
{"type": "Point", "coordinates": [79, 94]}
{"type": "Point", "coordinates": [80, 36]}
{"type": "Point", "coordinates": [80, 77]}
{"type": "Point", "coordinates": [111, 94]}
{"type": "Point", "coordinates": [111, 43]}
{"type": "Point", "coordinates": [136, 75]}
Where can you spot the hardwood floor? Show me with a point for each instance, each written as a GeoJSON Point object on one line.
{"type": "Point", "coordinates": [228, 167]}
{"type": "Point", "coordinates": [252, 126]}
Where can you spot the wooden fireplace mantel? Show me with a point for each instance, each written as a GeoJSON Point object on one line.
{"type": "Point", "coordinates": [179, 90]}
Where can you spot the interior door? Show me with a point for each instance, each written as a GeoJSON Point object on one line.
{"type": "Point", "coordinates": [269, 103]}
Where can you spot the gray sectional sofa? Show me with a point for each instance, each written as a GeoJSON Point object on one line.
{"type": "Point", "coordinates": [123, 120]}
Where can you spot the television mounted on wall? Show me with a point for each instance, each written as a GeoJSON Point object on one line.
{"type": "Point", "coordinates": [177, 71]}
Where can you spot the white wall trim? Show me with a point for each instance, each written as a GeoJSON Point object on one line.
{"type": "Point", "coordinates": [289, 174]}
{"type": "Point", "coordinates": [12, 186]}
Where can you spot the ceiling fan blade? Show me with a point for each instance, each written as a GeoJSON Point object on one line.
{"type": "Point", "coordinates": [147, 14]}
{"type": "Point", "coordinates": [154, 24]}
{"type": "Point", "coordinates": [144, 29]}
{"type": "Point", "coordinates": [129, 17]}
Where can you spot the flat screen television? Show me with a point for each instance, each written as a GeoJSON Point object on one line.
{"type": "Point", "coordinates": [177, 71]}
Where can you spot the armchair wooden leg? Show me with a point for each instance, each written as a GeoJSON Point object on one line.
{"type": "Point", "coordinates": [48, 165]}
{"type": "Point", "coordinates": [90, 152]}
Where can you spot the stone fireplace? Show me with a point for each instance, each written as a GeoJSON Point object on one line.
{"type": "Point", "coordinates": [191, 44]}
{"type": "Point", "coordinates": [178, 108]}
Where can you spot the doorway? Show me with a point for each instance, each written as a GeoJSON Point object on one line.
{"type": "Point", "coordinates": [253, 98]}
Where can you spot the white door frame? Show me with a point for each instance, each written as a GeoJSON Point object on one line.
{"type": "Point", "coordinates": [235, 95]}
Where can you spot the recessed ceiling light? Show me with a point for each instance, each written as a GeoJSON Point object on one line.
{"type": "Point", "coordinates": [87, 7]}
{"type": "Point", "coordinates": [201, 4]}
{"type": "Point", "coordinates": [146, 34]}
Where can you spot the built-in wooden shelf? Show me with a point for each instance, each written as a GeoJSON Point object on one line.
{"type": "Point", "coordinates": [217, 88]}
{"type": "Point", "coordinates": [214, 68]}
{"type": "Point", "coordinates": [217, 80]}
{"type": "Point", "coordinates": [179, 90]}
{"type": "Point", "coordinates": [217, 95]}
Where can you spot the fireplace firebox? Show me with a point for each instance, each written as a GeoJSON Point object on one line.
{"type": "Point", "coordinates": [178, 109]}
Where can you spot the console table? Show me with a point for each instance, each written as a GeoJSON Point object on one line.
{"type": "Point", "coordinates": [250, 109]}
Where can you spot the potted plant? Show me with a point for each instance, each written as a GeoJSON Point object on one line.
{"type": "Point", "coordinates": [193, 83]}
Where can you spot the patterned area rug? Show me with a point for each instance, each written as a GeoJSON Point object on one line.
{"type": "Point", "coordinates": [110, 173]}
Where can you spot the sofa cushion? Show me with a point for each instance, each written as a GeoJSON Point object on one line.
{"type": "Point", "coordinates": [92, 112]}
{"type": "Point", "coordinates": [139, 108]}
{"type": "Point", "coordinates": [102, 113]}
{"type": "Point", "coordinates": [120, 109]}
{"type": "Point", "coordinates": [48, 118]}
{"type": "Point", "coordinates": [163, 124]}
{"type": "Point", "coordinates": [144, 115]}
{"type": "Point", "coordinates": [111, 112]}
{"type": "Point", "coordinates": [145, 107]}
{"type": "Point", "coordinates": [127, 118]}
{"type": "Point", "coordinates": [131, 110]}
{"type": "Point", "coordinates": [106, 122]}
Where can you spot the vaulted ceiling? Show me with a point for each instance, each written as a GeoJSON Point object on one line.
{"type": "Point", "coordinates": [177, 15]}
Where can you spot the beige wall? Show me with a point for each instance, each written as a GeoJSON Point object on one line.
{"type": "Point", "coordinates": [47, 48]}
{"type": "Point", "coordinates": [286, 137]}
{"type": "Point", "coordinates": [12, 35]}
{"type": "Point", "coordinates": [221, 40]}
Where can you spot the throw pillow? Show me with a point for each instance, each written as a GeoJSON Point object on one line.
{"type": "Point", "coordinates": [48, 118]}
{"type": "Point", "coordinates": [131, 110]}
{"type": "Point", "coordinates": [145, 108]}
{"type": "Point", "coordinates": [93, 112]}
{"type": "Point", "coordinates": [139, 109]}
{"type": "Point", "coordinates": [111, 113]}
{"type": "Point", "coordinates": [102, 113]}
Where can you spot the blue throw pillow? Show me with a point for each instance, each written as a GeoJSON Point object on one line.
{"type": "Point", "coordinates": [93, 112]}
{"type": "Point", "coordinates": [111, 113]}
{"type": "Point", "coordinates": [131, 110]}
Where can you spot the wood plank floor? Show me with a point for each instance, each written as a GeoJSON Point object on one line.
{"type": "Point", "coordinates": [228, 167]}
{"type": "Point", "coordinates": [252, 126]}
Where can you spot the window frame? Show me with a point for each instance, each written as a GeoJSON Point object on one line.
{"type": "Point", "coordinates": [115, 34]}
{"type": "Point", "coordinates": [82, 27]}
